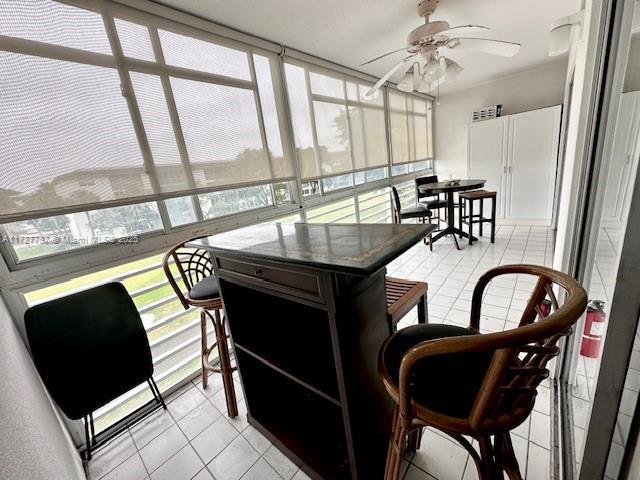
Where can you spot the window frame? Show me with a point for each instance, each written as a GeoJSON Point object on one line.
{"type": "Point", "coordinates": [54, 266]}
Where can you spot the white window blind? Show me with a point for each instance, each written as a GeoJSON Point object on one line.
{"type": "Point", "coordinates": [335, 129]}
{"type": "Point", "coordinates": [200, 115]}
{"type": "Point", "coordinates": [411, 128]}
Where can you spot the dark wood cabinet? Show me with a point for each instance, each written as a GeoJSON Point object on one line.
{"type": "Point", "coordinates": [307, 326]}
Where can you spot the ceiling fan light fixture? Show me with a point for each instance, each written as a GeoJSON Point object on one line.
{"type": "Point", "coordinates": [424, 86]}
{"type": "Point", "coordinates": [406, 84]}
{"type": "Point", "coordinates": [452, 70]}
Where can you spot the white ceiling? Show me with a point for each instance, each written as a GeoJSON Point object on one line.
{"type": "Point", "coordinates": [350, 32]}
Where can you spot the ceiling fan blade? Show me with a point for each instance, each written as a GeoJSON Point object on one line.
{"type": "Point", "coordinates": [485, 45]}
{"type": "Point", "coordinates": [463, 30]}
{"type": "Point", "coordinates": [387, 76]}
{"type": "Point", "coordinates": [382, 56]}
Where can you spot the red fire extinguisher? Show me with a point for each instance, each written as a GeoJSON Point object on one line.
{"type": "Point", "coordinates": [593, 329]}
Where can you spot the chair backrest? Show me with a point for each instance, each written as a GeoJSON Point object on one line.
{"type": "Point", "coordinates": [423, 181]}
{"type": "Point", "coordinates": [89, 347]}
{"type": "Point", "coordinates": [397, 208]}
{"type": "Point", "coordinates": [518, 356]}
{"type": "Point", "coordinates": [193, 265]}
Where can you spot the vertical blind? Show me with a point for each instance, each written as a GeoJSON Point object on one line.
{"type": "Point", "coordinates": [206, 112]}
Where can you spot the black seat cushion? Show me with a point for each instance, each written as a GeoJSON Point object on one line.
{"type": "Point", "coordinates": [415, 212]}
{"type": "Point", "coordinates": [434, 203]}
{"type": "Point", "coordinates": [89, 347]}
{"type": "Point", "coordinates": [448, 383]}
{"type": "Point", "coordinates": [205, 289]}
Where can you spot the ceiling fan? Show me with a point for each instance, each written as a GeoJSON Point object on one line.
{"type": "Point", "coordinates": [425, 66]}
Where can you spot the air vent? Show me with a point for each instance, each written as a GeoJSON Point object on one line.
{"type": "Point", "coordinates": [486, 113]}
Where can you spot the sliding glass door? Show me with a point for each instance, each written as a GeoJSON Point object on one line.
{"type": "Point", "coordinates": [600, 376]}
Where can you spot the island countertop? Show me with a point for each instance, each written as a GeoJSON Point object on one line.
{"type": "Point", "coordinates": [349, 248]}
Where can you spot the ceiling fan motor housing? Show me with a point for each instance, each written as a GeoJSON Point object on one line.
{"type": "Point", "coordinates": [427, 7]}
{"type": "Point", "coordinates": [424, 33]}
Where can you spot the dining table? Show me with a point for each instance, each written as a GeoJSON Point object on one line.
{"type": "Point", "coordinates": [449, 188]}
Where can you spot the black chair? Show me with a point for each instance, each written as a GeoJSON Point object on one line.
{"type": "Point", "coordinates": [420, 212]}
{"type": "Point", "coordinates": [90, 348]}
{"type": "Point", "coordinates": [431, 201]}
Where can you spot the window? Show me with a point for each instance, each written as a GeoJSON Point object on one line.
{"type": "Point", "coordinates": [205, 110]}
{"type": "Point", "coordinates": [342, 211]}
{"type": "Point", "coordinates": [411, 128]}
{"type": "Point", "coordinates": [45, 236]}
{"type": "Point", "coordinates": [219, 204]}
{"type": "Point", "coordinates": [335, 129]}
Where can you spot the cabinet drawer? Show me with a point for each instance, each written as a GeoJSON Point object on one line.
{"type": "Point", "coordinates": [294, 282]}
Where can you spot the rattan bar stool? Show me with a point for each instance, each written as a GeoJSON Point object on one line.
{"type": "Point", "coordinates": [467, 198]}
{"type": "Point", "coordinates": [482, 386]}
{"type": "Point", "coordinates": [202, 291]}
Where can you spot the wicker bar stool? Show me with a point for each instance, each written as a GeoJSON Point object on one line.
{"type": "Point", "coordinates": [202, 291]}
{"type": "Point", "coordinates": [479, 385]}
{"type": "Point", "coordinates": [467, 198]}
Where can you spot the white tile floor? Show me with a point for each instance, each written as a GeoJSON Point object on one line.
{"type": "Point", "coordinates": [195, 439]}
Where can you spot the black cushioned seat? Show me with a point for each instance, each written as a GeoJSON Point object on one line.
{"type": "Point", "coordinates": [433, 203]}
{"type": "Point", "coordinates": [446, 384]}
{"type": "Point", "coordinates": [205, 289]}
{"type": "Point", "coordinates": [415, 212]}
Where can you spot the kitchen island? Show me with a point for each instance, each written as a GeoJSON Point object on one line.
{"type": "Point", "coordinates": [307, 315]}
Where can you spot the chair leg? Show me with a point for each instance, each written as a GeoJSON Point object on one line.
{"type": "Point", "coordinates": [423, 310]}
{"type": "Point", "coordinates": [87, 438]}
{"type": "Point", "coordinates": [460, 212]}
{"type": "Point", "coordinates": [396, 450]}
{"type": "Point", "coordinates": [493, 219]}
{"type": "Point", "coordinates": [414, 439]}
{"type": "Point", "coordinates": [204, 352]}
{"type": "Point", "coordinates": [225, 365]}
{"type": "Point", "coordinates": [431, 242]}
{"type": "Point", "coordinates": [506, 457]}
{"type": "Point", "coordinates": [481, 218]}
{"type": "Point", "coordinates": [487, 454]}
{"type": "Point", "coordinates": [470, 222]}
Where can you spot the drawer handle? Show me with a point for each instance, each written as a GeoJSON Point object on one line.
{"type": "Point", "coordinates": [258, 272]}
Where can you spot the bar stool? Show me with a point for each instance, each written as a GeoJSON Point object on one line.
{"type": "Point", "coordinates": [202, 291]}
{"type": "Point", "coordinates": [482, 386]}
{"type": "Point", "coordinates": [465, 198]}
{"type": "Point", "coordinates": [402, 296]}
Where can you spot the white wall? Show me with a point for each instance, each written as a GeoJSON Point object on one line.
{"type": "Point", "coordinates": [536, 88]}
{"type": "Point", "coordinates": [33, 442]}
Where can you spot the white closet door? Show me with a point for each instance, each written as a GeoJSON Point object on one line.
{"type": "Point", "coordinates": [533, 155]}
{"type": "Point", "coordinates": [487, 155]}
{"type": "Point", "coordinates": [621, 157]}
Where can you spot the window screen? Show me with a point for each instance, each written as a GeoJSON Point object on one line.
{"type": "Point", "coordinates": [335, 129]}
{"type": "Point", "coordinates": [411, 128]}
{"type": "Point", "coordinates": [70, 137]}
{"type": "Point", "coordinates": [66, 136]}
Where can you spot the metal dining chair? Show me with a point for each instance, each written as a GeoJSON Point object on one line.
{"type": "Point", "coordinates": [432, 201]}
{"type": "Point", "coordinates": [477, 385]}
{"type": "Point", "coordinates": [419, 212]}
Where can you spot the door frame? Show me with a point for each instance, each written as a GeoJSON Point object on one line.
{"type": "Point", "coordinates": [613, 37]}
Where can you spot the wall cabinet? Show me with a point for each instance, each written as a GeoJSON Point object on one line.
{"type": "Point", "coordinates": [517, 155]}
